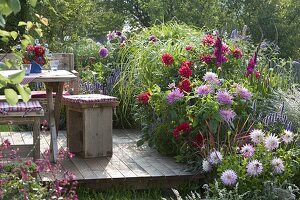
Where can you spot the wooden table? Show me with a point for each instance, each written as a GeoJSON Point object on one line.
{"type": "Point", "coordinates": [54, 82]}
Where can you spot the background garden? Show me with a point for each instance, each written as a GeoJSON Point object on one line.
{"type": "Point", "coordinates": [214, 84]}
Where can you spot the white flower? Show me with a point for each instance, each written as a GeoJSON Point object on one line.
{"type": "Point", "coordinates": [247, 150]}
{"type": "Point", "coordinates": [257, 136]}
{"type": "Point", "coordinates": [229, 177]}
{"type": "Point", "coordinates": [287, 137]}
{"type": "Point", "coordinates": [271, 142]}
{"type": "Point", "coordinates": [215, 157]}
{"type": "Point", "coordinates": [206, 166]}
{"type": "Point", "coordinates": [171, 85]}
{"type": "Point", "coordinates": [277, 165]}
{"type": "Point", "coordinates": [254, 168]}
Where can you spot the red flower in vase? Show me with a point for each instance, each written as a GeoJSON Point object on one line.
{"type": "Point", "coordinates": [39, 51]}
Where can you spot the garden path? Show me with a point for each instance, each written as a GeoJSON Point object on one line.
{"type": "Point", "coordinates": [130, 166]}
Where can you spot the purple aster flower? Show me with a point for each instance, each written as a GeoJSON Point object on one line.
{"type": "Point", "coordinates": [118, 33]}
{"type": "Point", "coordinates": [218, 53]}
{"type": "Point", "coordinates": [271, 142]}
{"type": "Point", "coordinates": [103, 52]}
{"type": "Point", "coordinates": [224, 97]}
{"type": "Point", "coordinates": [174, 95]}
{"type": "Point", "coordinates": [254, 168]}
{"type": "Point", "coordinates": [204, 89]}
{"type": "Point", "coordinates": [110, 35]}
{"type": "Point", "coordinates": [210, 77]}
{"type": "Point", "coordinates": [277, 165]}
{"type": "Point", "coordinates": [215, 157]}
{"type": "Point", "coordinates": [227, 114]}
{"type": "Point", "coordinates": [153, 38]}
{"type": "Point", "coordinates": [251, 64]}
{"type": "Point", "coordinates": [244, 93]}
{"type": "Point", "coordinates": [229, 177]}
{"type": "Point", "coordinates": [247, 150]}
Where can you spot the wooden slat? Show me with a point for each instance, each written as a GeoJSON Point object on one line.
{"type": "Point", "coordinates": [109, 168]}
{"type": "Point", "coordinates": [83, 168]}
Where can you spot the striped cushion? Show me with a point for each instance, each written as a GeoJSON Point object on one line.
{"type": "Point", "coordinates": [89, 98]}
{"type": "Point", "coordinates": [20, 107]}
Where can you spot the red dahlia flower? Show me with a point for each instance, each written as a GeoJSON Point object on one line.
{"type": "Point", "coordinates": [167, 59]}
{"type": "Point", "coordinates": [257, 74]}
{"type": "Point", "coordinates": [198, 141]}
{"type": "Point", "coordinates": [185, 71]}
{"type": "Point", "coordinates": [143, 97]}
{"type": "Point", "coordinates": [185, 85]}
{"type": "Point", "coordinates": [181, 128]}
{"type": "Point", "coordinates": [208, 39]}
{"type": "Point", "coordinates": [206, 58]}
{"type": "Point", "coordinates": [187, 63]}
{"type": "Point", "coordinates": [189, 47]}
{"type": "Point", "coordinates": [237, 53]}
{"type": "Point", "coordinates": [29, 47]}
{"type": "Point", "coordinates": [39, 51]}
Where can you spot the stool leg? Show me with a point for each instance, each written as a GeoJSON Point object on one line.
{"type": "Point", "coordinates": [36, 138]}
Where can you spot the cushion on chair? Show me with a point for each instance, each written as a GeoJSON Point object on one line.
{"type": "Point", "coordinates": [89, 99]}
{"type": "Point", "coordinates": [20, 107]}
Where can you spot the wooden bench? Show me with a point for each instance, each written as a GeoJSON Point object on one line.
{"type": "Point", "coordinates": [89, 124]}
{"type": "Point", "coordinates": [24, 113]}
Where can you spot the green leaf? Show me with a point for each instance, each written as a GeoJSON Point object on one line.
{"type": "Point", "coordinates": [140, 142]}
{"type": "Point", "coordinates": [2, 21]}
{"type": "Point", "coordinates": [17, 78]}
{"type": "Point", "coordinates": [14, 5]}
{"type": "Point", "coordinates": [4, 33]}
{"type": "Point", "coordinates": [11, 96]}
{"type": "Point", "coordinates": [2, 66]}
{"type": "Point", "coordinates": [22, 24]}
{"type": "Point", "coordinates": [32, 2]}
{"type": "Point", "coordinates": [29, 25]}
{"type": "Point", "coordinates": [14, 34]}
{"type": "Point", "coordinates": [39, 31]}
{"type": "Point", "coordinates": [24, 92]}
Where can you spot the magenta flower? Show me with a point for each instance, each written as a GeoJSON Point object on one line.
{"type": "Point", "coordinates": [224, 97]}
{"type": "Point", "coordinates": [174, 95]}
{"type": "Point", "coordinates": [204, 90]}
{"type": "Point", "coordinates": [251, 64]}
{"type": "Point", "coordinates": [153, 38]}
{"type": "Point", "coordinates": [218, 53]}
{"type": "Point", "coordinates": [227, 114]}
{"type": "Point", "coordinates": [103, 52]}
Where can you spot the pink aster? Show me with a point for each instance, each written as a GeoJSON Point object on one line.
{"type": "Point", "coordinates": [229, 177]}
{"type": "Point", "coordinates": [257, 136]}
{"type": "Point", "coordinates": [227, 114]}
{"type": "Point", "coordinates": [174, 95]}
{"type": "Point", "coordinates": [224, 97]}
{"type": "Point", "coordinates": [247, 150]}
{"type": "Point", "coordinates": [244, 93]}
{"type": "Point", "coordinates": [188, 47]}
{"type": "Point", "coordinates": [204, 90]}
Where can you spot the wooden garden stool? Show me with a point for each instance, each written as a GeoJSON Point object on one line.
{"type": "Point", "coordinates": [89, 124]}
{"type": "Point", "coordinates": [24, 113]}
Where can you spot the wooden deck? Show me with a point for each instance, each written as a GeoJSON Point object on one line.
{"type": "Point", "coordinates": [130, 166]}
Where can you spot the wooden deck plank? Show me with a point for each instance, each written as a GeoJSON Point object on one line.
{"type": "Point", "coordinates": [130, 166]}
{"type": "Point", "coordinates": [83, 168]}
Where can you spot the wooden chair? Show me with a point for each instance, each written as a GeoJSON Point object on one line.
{"type": "Point", "coordinates": [24, 113]}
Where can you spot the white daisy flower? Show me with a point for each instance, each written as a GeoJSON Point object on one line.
{"type": "Point", "coordinates": [206, 166]}
{"type": "Point", "coordinates": [215, 157]}
{"type": "Point", "coordinates": [254, 168]}
{"type": "Point", "coordinates": [277, 165]}
{"type": "Point", "coordinates": [257, 136]}
{"type": "Point", "coordinates": [287, 137]}
{"type": "Point", "coordinates": [271, 142]}
{"type": "Point", "coordinates": [229, 177]}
